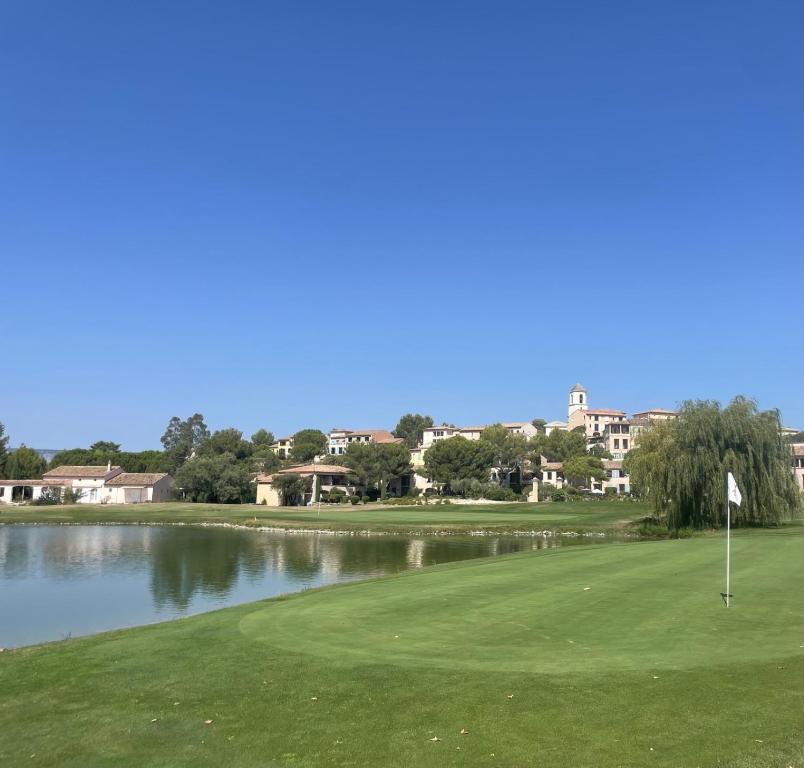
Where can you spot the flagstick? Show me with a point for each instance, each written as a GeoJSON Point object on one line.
{"type": "Point", "coordinates": [728, 545]}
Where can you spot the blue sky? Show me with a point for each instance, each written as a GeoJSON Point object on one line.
{"type": "Point", "coordinates": [323, 214]}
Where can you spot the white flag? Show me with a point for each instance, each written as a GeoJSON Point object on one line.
{"type": "Point", "coordinates": [734, 491]}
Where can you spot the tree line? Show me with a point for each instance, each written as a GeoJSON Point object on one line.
{"type": "Point", "coordinates": [677, 466]}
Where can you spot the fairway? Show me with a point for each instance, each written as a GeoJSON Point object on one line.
{"type": "Point", "coordinates": [646, 667]}
{"type": "Point", "coordinates": [597, 515]}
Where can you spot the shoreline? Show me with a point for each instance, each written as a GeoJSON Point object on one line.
{"type": "Point", "coordinates": [546, 534]}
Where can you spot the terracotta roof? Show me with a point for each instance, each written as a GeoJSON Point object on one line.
{"type": "Point", "coordinates": [551, 465]}
{"type": "Point", "coordinates": [663, 411]}
{"type": "Point", "coordinates": [605, 412]}
{"type": "Point", "coordinates": [798, 449]}
{"type": "Point", "coordinates": [307, 469]}
{"type": "Point", "coordinates": [137, 478]}
{"type": "Point", "coordinates": [40, 481]}
{"type": "Point", "coordinates": [516, 423]}
{"type": "Point", "coordinates": [612, 463]}
{"type": "Point", "coordinates": [578, 388]}
{"type": "Point", "coordinates": [478, 428]}
{"type": "Point", "coordinates": [80, 472]}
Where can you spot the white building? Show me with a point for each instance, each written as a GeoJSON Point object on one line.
{"type": "Point", "coordinates": [341, 439]}
{"type": "Point", "coordinates": [94, 484]}
{"type": "Point", "coordinates": [90, 482]}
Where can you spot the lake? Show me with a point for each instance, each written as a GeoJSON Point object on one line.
{"type": "Point", "coordinates": [61, 581]}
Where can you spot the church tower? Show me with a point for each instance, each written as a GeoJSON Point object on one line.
{"type": "Point", "coordinates": [578, 403]}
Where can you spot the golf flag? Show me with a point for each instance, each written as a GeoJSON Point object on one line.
{"type": "Point", "coordinates": [734, 492]}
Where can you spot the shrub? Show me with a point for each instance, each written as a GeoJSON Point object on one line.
{"type": "Point", "coordinates": [336, 496]}
{"type": "Point", "coordinates": [609, 492]}
{"type": "Point", "coordinates": [365, 499]}
{"type": "Point", "coordinates": [71, 495]}
{"type": "Point", "coordinates": [49, 496]}
{"type": "Point", "coordinates": [558, 495]}
{"type": "Point", "coordinates": [500, 494]}
{"type": "Point", "coordinates": [353, 500]}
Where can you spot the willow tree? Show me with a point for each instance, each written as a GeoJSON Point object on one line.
{"type": "Point", "coordinates": [681, 466]}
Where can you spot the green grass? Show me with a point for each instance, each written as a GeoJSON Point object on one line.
{"type": "Point", "coordinates": [584, 515]}
{"type": "Point", "coordinates": [646, 668]}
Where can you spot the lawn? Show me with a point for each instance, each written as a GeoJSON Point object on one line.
{"type": "Point", "coordinates": [610, 655]}
{"type": "Point", "coordinates": [583, 515]}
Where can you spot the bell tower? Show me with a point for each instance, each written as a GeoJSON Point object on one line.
{"type": "Point", "coordinates": [578, 401]}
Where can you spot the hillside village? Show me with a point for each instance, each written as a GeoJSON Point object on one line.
{"type": "Point", "coordinates": [329, 472]}
{"type": "Point", "coordinates": [607, 430]}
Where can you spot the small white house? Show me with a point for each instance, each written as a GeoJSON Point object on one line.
{"type": "Point", "coordinates": [139, 487]}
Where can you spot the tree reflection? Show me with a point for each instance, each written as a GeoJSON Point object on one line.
{"type": "Point", "coordinates": [187, 561]}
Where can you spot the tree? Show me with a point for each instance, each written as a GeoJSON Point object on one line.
{"type": "Point", "coordinates": [24, 464]}
{"type": "Point", "coordinates": [263, 437]}
{"type": "Point", "coordinates": [143, 461]}
{"type": "Point", "coordinates": [3, 449]}
{"type": "Point", "coordinates": [307, 444]}
{"type": "Point", "coordinates": [393, 461]}
{"type": "Point", "coordinates": [361, 459]}
{"type": "Point", "coordinates": [599, 452]}
{"type": "Point", "coordinates": [264, 460]}
{"type": "Point", "coordinates": [105, 446]}
{"type": "Point", "coordinates": [680, 466]}
{"type": "Point", "coordinates": [559, 445]}
{"type": "Point", "coordinates": [579, 469]}
{"type": "Point", "coordinates": [457, 458]}
{"type": "Point", "coordinates": [77, 457]}
{"type": "Point", "coordinates": [215, 478]}
{"type": "Point", "coordinates": [226, 441]}
{"type": "Point", "coordinates": [292, 487]}
{"type": "Point", "coordinates": [130, 461]}
{"type": "Point", "coordinates": [183, 439]}
{"type": "Point", "coordinates": [411, 428]}
{"type": "Point", "coordinates": [509, 449]}
{"type": "Point", "coordinates": [375, 465]}
{"type": "Point", "coordinates": [539, 424]}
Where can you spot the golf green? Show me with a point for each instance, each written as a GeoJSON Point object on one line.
{"type": "Point", "coordinates": [652, 606]}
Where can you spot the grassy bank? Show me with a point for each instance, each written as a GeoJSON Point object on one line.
{"type": "Point", "coordinates": [616, 655]}
{"type": "Point", "coordinates": [570, 516]}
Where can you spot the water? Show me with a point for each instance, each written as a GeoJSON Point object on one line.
{"type": "Point", "coordinates": [61, 581]}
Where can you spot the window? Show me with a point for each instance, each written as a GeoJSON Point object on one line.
{"type": "Point", "coordinates": [616, 443]}
{"type": "Point", "coordinates": [580, 399]}
{"type": "Point", "coordinates": [625, 443]}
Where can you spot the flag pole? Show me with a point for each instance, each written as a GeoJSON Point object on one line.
{"type": "Point", "coordinates": [728, 545]}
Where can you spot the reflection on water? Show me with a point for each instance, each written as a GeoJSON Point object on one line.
{"type": "Point", "coordinates": [70, 580]}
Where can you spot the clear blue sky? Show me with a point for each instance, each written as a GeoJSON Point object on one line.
{"type": "Point", "coordinates": [288, 214]}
